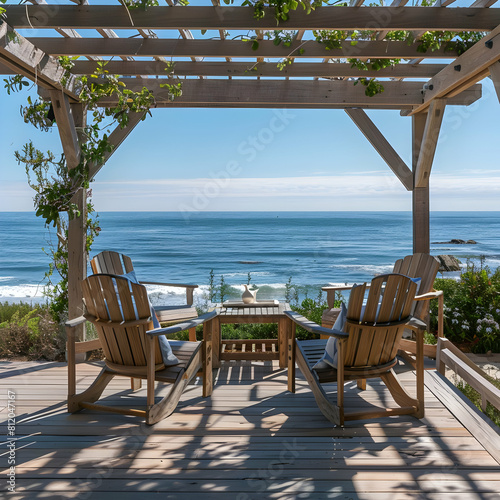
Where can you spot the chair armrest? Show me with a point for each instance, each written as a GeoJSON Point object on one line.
{"type": "Point", "coordinates": [312, 327]}
{"type": "Point", "coordinates": [189, 289]}
{"type": "Point", "coordinates": [75, 322]}
{"type": "Point", "coordinates": [186, 325]}
{"type": "Point", "coordinates": [434, 294]}
{"type": "Point", "coordinates": [416, 324]}
{"type": "Point", "coordinates": [336, 288]}
{"type": "Point", "coordinates": [180, 285]}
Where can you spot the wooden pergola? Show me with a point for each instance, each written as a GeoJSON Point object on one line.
{"type": "Point", "coordinates": [223, 68]}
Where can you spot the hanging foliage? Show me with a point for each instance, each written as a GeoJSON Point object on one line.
{"type": "Point", "coordinates": [55, 184]}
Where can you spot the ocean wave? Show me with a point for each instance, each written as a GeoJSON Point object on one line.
{"type": "Point", "coordinates": [6, 278]}
{"type": "Point", "coordinates": [22, 293]}
{"type": "Point", "coordinates": [366, 269]}
{"type": "Point", "coordinates": [245, 274]}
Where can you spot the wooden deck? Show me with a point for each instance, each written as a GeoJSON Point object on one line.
{"type": "Point", "coordinates": [251, 440]}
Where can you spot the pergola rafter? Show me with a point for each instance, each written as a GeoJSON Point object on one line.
{"type": "Point", "coordinates": [268, 69]}
{"type": "Point", "coordinates": [229, 70]}
{"type": "Point", "coordinates": [241, 18]}
{"type": "Point", "coordinates": [234, 48]}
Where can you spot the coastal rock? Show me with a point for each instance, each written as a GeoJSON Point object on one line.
{"type": "Point", "coordinates": [455, 242]}
{"type": "Point", "coordinates": [447, 263]}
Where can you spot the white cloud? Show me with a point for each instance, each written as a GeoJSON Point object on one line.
{"type": "Point", "coordinates": [368, 191]}
{"type": "Point", "coordinates": [15, 196]}
{"type": "Point", "coordinates": [375, 190]}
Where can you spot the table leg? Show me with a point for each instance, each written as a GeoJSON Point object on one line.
{"type": "Point", "coordinates": [208, 334]}
{"type": "Point", "coordinates": [290, 336]}
{"type": "Point", "coordinates": [282, 341]}
{"type": "Point", "coordinates": [216, 342]}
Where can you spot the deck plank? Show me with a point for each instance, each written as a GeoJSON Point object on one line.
{"type": "Point", "coordinates": [251, 440]}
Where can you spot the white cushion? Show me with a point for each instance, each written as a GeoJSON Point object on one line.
{"type": "Point", "coordinates": [329, 358]}
{"type": "Point", "coordinates": [417, 281]}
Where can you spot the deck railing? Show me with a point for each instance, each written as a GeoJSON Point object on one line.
{"type": "Point", "coordinates": [449, 355]}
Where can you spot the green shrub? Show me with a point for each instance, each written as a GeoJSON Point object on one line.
{"type": "Point", "coordinates": [8, 310]}
{"type": "Point", "coordinates": [312, 310]}
{"type": "Point", "coordinates": [32, 334]}
{"type": "Point", "coordinates": [472, 308]}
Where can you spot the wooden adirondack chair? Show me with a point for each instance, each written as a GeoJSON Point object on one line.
{"type": "Point", "coordinates": [121, 313]}
{"type": "Point", "coordinates": [418, 265]}
{"type": "Point", "coordinates": [109, 262]}
{"type": "Point", "coordinates": [366, 348]}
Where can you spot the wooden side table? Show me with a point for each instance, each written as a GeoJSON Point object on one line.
{"type": "Point", "coordinates": [229, 349]}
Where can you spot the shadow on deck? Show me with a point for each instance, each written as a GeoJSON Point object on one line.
{"type": "Point", "coordinates": [252, 439]}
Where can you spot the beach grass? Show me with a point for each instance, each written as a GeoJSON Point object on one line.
{"type": "Point", "coordinates": [30, 332]}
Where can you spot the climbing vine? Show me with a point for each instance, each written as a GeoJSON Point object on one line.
{"type": "Point", "coordinates": [453, 42]}
{"type": "Point", "coordinates": [55, 184]}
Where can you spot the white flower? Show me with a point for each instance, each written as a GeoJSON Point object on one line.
{"type": "Point", "coordinates": [488, 330]}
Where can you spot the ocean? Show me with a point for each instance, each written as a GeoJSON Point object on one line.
{"type": "Point", "coordinates": [312, 248]}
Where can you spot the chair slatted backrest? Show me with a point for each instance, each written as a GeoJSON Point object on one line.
{"type": "Point", "coordinates": [121, 313]}
{"type": "Point", "coordinates": [419, 265]}
{"type": "Point", "coordinates": [376, 328]}
{"type": "Point", "coordinates": [109, 262]}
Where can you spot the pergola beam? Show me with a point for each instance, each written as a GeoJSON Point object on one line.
{"type": "Point", "coordinates": [242, 18]}
{"type": "Point", "coordinates": [23, 58]}
{"type": "Point", "coordinates": [300, 70]}
{"type": "Point", "coordinates": [288, 93]}
{"type": "Point", "coordinates": [66, 127]}
{"type": "Point", "coordinates": [154, 47]}
{"type": "Point", "coordinates": [382, 146]}
{"type": "Point", "coordinates": [115, 139]}
{"type": "Point", "coordinates": [429, 143]}
{"type": "Point", "coordinates": [465, 71]}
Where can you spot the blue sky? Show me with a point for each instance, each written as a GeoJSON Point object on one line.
{"type": "Point", "coordinates": [230, 159]}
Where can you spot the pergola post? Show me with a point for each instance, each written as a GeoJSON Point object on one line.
{"type": "Point", "coordinates": [495, 76]}
{"type": "Point", "coordinates": [425, 130]}
{"type": "Point", "coordinates": [77, 238]}
{"type": "Point", "coordinates": [68, 118]}
{"type": "Point", "coordinates": [420, 195]}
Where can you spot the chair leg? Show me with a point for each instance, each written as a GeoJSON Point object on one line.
{"type": "Point", "coordinates": [397, 391]}
{"type": "Point", "coordinates": [361, 383]}
{"type": "Point", "coordinates": [135, 384]}
{"type": "Point", "coordinates": [92, 394]}
{"type": "Point", "coordinates": [169, 403]}
{"type": "Point", "coordinates": [331, 411]}
{"type": "Point", "coordinates": [192, 334]}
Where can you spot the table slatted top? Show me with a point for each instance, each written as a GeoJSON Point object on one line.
{"type": "Point", "coordinates": [277, 310]}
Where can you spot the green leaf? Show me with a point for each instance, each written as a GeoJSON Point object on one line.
{"type": "Point", "coordinates": [255, 45]}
